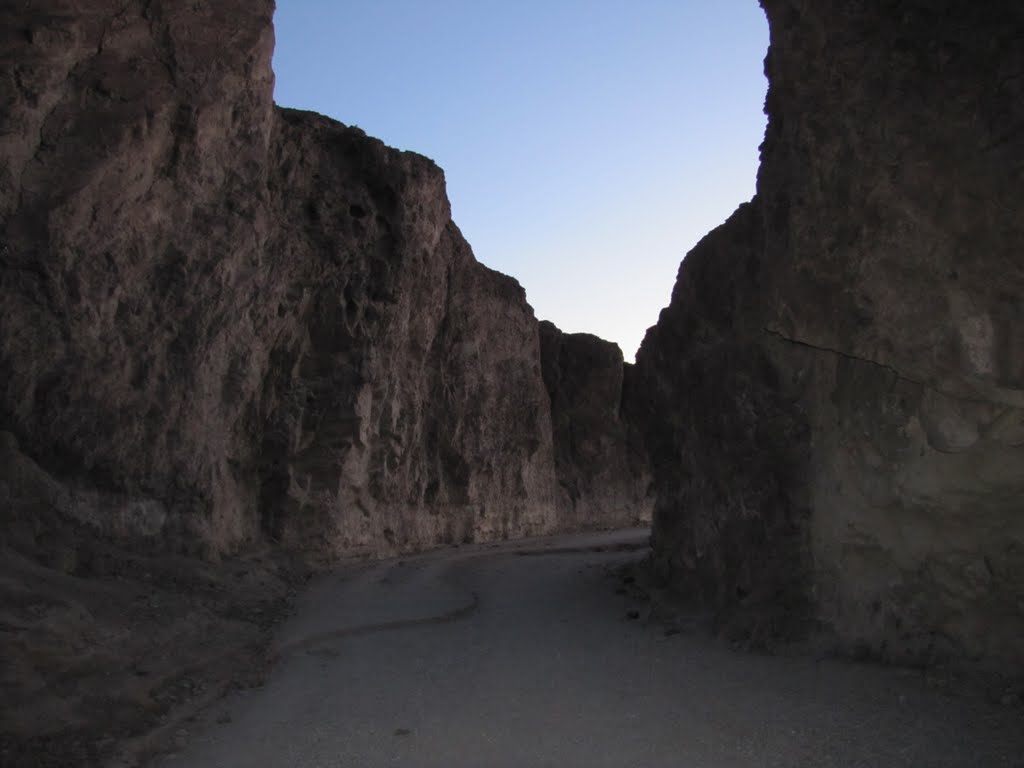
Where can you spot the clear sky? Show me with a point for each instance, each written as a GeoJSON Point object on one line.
{"type": "Point", "coordinates": [587, 144]}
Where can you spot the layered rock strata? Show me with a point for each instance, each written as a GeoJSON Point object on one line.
{"type": "Point", "coordinates": [841, 367]}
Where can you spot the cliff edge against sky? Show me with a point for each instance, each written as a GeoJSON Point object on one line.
{"type": "Point", "coordinates": [230, 329]}
{"type": "Point", "coordinates": [834, 399]}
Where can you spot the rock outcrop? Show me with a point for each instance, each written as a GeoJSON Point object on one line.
{"type": "Point", "coordinates": [835, 397]}
{"type": "Point", "coordinates": [728, 442]}
{"type": "Point", "coordinates": [600, 464]}
{"type": "Point", "coordinates": [229, 330]}
{"type": "Point", "coordinates": [224, 321]}
{"type": "Point", "coordinates": [406, 405]}
{"type": "Point", "coordinates": [134, 227]}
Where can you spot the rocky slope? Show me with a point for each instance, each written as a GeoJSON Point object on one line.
{"type": "Point", "coordinates": [841, 367]}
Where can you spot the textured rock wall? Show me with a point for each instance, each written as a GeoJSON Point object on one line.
{"type": "Point", "coordinates": [133, 225]}
{"type": "Point", "coordinates": [877, 287]}
{"type": "Point", "coordinates": [898, 246]}
{"type": "Point", "coordinates": [407, 409]}
{"type": "Point", "coordinates": [222, 320]}
{"type": "Point", "coordinates": [728, 442]}
{"type": "Point", "coordinates": [600, 464]}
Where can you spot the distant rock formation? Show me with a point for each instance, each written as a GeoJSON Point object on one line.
{"type": "Point", "coordinates": [601, 467]}
{"type": "Point", "coordinates": [224, 321]}
{"type": "Point", "coordinates": [834, 400]}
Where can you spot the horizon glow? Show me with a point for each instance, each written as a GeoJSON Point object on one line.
{"type": "Point", "coordinates": [587, 144]}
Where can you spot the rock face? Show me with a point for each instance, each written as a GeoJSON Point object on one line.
{"type": "Point", "coordinates": [835, 397]}
{"type": "Point", "coordinates": [224, 321]}
{"type": "Point", "coordinates": [728, 441]}
{"type": "Point", "coordinates": [131, 239]}
{"type": "Point", "coordinates": [600, 465]}
{"type": "Point", "coordinates": [407, 405]}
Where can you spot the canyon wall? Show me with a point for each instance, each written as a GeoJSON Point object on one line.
{"type": "Point", "coordinates": [728, 442]}
{"type": "Point", "coordinates": [602, 471]}
{"type": "Point", "coordinates": [226, 322]}
{"type": "Point", "coordinates": [842, 366]}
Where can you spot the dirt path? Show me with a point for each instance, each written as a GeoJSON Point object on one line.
{"type": "Point", "coordinates": [524, 655]}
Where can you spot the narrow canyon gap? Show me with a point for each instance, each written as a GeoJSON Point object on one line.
{"type": "Point", "coordinates": [230, 327]}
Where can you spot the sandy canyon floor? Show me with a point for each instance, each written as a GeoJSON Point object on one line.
{"type": "Point", "coordinates": [540, 653]}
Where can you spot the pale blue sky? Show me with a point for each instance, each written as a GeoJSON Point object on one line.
{"type": "Point", "coordinates": [587, 144]}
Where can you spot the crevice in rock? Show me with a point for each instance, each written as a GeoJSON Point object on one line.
{"type": "Point", "coordinates": [1009, 402]}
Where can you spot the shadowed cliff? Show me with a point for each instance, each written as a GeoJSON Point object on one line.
{"type": "Point", "coordinates": [232, 331]}
{"type": "Point", "coordinates": [236, 339]}
{"type": "Point", "coordinates": [834, 399]}
{"type": "Point", "coordinates": [225, 321]}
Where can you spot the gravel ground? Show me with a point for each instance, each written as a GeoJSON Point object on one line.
{"type": "Point", "coordinates": [532, 654]}
{"type": "Point", "coordinates": [103, 654]}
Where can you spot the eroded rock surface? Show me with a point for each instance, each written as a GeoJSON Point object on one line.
{"type": "Point", "coordinates": [847, 347]}
{"type": "Point", "coordinates": [132, 226]}
{"type": "Point", "coordinates": [224, 320]}
{"type": "Point", "coordinates": [228, 330]}
{"type": "Point", "coordinates": [602, 471]}
{"type": "Point", "coordinates": [728, 442]}
{"type": "Point", "coordinates": [403, 406]}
